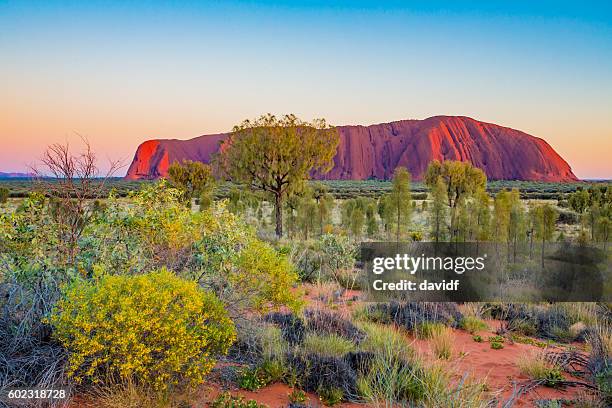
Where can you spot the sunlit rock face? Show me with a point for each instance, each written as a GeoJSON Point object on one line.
{"type": "Point", "coordinates": [374, 151]}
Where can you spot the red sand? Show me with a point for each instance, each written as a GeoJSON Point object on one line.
{"type": "Point", "coordinates": [498, 367]}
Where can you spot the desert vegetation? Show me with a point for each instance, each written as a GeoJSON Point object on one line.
{"type": "Point", "coordinates": [215, 285]}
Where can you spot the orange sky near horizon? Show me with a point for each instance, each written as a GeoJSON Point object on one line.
{"type": "Point", "coordinates": [116, 137]}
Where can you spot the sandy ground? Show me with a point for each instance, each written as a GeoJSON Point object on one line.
{"type": "Point", "coordinates": [498, 368]}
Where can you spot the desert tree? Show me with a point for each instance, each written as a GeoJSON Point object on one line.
{"type": "Point", "coordinates": [4, 195]}
{"type": "Point", "coordinates": [517, 225]}
{"type": "Point", "coordinates": [398, 202]}
{"type": "Point", "coordinates": [292, 203]}
{"type": "Point", "coordinates": [371, 222]}
{"type": "Point", "coordinates": [325, 205]}
{"type": "Point", "coordinates": [603, 230]}
{"type": "Point", "coordinates": [382, 209]}
{"type": "Point", "coordinates": [501, 217]}
{"type": "Point", "coordinates": [357, 221]}
{"type": "Point", "coordinates": [545, 218]}
{"type": "Point", "coordinates": [461, 180]}
{"type": "Point", "coordinates": [194, 179]}
{"type": "Point", "coordinates": [72, 182]}
{"type": "Point", "coordinates": [277, 156]}
{"type": "Point", "coordinates": [307, 213]}
{"type": "Point", "coordinates": [438, 212]}
{"type": "Point", "coordinates": [482, 210]}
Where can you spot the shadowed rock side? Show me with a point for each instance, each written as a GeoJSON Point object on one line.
{"type": "Point", "coordinates": [375, 151]}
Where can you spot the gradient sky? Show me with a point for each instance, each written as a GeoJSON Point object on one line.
{"type": "Point", "coordinates": [123, 72]}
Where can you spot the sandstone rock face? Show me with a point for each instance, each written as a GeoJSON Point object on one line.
{"type": "Point", "coordinates": [375, 151]}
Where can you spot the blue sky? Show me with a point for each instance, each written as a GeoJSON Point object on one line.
{"type": "Point", "coordinates": [123, 72]}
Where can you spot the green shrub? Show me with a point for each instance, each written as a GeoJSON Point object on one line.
{"type": "Point", "coordinates": [297, 396]}
{"type": "Point", "coordinates": [327, 345]}
{"type": "Point", "coordinates": [264, 277]}
{"type": "Point", "coordinates": [561, 334]}
{"type": "Point", "coordinates": [394, 374]}
{"type": "Point", "coordinates": [386, 340]}
{"type": "Point", "coordinates": [427, 330]}
{"type": "Point", "coordinates": [251, 378]}
{"type": "Point", "coordinates": [330, 396]}
{"type": "Point", "coordinates": [526, 328]}
{"type": "Point", "coordinates": [538, 367]}
{"type": "Point", "coordinates": [4, 195]}
{"type": "Point", "coordinates": [155, 327]}
{"type": "Point", "coordinates": [496, 339]}
{"type": "Point", "coordinates": [338, 252]}
{"type": "Point", "coordinates": [272, 370]}
{"type": "Point", "coordinates": [477, 338]}
{"type": "Point", "coordinates": [496, 345]}
{"type": "Point", "coordinates": [472, 324]}
{"type": "Point", "coordinates": [226, 400]}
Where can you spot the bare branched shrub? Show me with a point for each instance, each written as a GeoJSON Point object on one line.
{"type": "Point", "coordinates": [71, 182]}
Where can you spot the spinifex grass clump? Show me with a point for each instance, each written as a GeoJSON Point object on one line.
{"type": "Point", "coordinates": [324, 322]}
{"type": "Point", "coordinates": [256, 342]}
{"type": "Point", "coordinates": [29, 357]}
{"type": "Point", "coordinates": [600, 360]}
{"type": "Point", "coordinates": [291, 326]}
{"type": "Point", "coordinates": [316, 373]}
{"type": "Point", "coordinates": [442, 343]}
{"type": "Point", "coordinates": [410, 314]}
{"type": "Point", "coordinates": [552, 322]}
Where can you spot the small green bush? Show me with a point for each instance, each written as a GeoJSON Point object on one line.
{"type": "Point", "coordinates": [330, 396]}
{"type": "Point", "coordinates": [477, 338]}
{"type": "Point", "coordinates": [156, 327]}
{"type": "Point", "coordinates": [562, 335]}
{"type": "Point", "coordinates": [526, 328]}
{"type": "Point", "coordinates": [272, 370]}
{"type": "Point", "coordinates": [539, 368]}
{"type": "Point", "coordinates": [472, 324]}
{"type": "Point", "coordinates": [226, 400]}
{"type": "Point", "coordinates": [4, 195]}
{"type": "Point", "coordinates": [251, 378]}
{"type": "Point", "coordinates": [297, 396]}
{"type": "Point", "coordinates": [496, 339]}
{"type": "Point", "coordinates": [427, 330]}
{"type": "Point", "coordinates": [496, 345]}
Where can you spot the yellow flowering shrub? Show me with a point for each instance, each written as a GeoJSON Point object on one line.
{"type": "Point", "coordinates": [264, 278]}
{"type": "Point", "coordinates": [157, 328]}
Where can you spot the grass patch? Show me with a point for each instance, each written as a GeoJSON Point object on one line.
{"type": "Point", "coordinates": [537, 367]}
{"type": "Point", "coordinates": [472, 324]}
{"type": "Point", "coordinates": [129, 394]}
{"type": "Point", "coordinates": [427, 330]}
{"type": "Point", "coordinates": [442, 343]}
{"type": "Point", "coordinates": [327, 345]}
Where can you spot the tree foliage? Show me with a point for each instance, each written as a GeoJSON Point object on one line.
{"type": "Point", "coordinates": [277, 155]}
{"type": "Point", "coordinates": [460, 178]}
{"type": "Point", "coordinates": [194, 179]}
{"type": "Point", "coordinates": [398, 202]}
